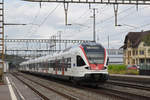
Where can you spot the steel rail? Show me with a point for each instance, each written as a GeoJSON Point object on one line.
{"type": "Point", "coordinates": [97, 91]}
{"type": "Point", "coordinates": [102, 90]}
{"type": "Point", "coordinates": [37, 92]}
{"type": "Point", "coordinates": [69, 97]}
{"type": "Point", "coordinates": [129, 84]}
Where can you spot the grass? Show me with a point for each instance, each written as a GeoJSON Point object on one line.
{"type": "Point", "coordinates": [121, 69]}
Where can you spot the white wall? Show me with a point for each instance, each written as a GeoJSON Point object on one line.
{"type": "Point", "coordinates": [6, 66]}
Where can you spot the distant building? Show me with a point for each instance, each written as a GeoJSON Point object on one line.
{"type": "Point", "coordinates": [115, 56]}
{"type": "Point", "coordinates": [6, 66]}
{"type": "Point", "coordinates": [137, 48]}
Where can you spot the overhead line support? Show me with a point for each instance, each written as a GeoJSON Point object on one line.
{"type": "Point", "coordinates": [132, 2]}
{"type": "Point", "coordinates": [94, 32]}
{"type": "Point", "coordinates": [2, 38]}
{"type": "Point", "coordinates": [66, 12]}
{"type": "Point", "coordinates": [40, 4]}
{"type": "Point", "coordinates": [116, 13]}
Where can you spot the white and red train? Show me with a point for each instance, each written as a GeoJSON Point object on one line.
{"type": "Point", "coordinates": [85, 62]}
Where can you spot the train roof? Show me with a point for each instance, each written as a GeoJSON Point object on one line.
{"type": "Point", "coordinates": [65, 51]}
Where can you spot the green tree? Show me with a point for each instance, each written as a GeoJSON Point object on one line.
{"type": "Point", "coordinates": [146, 40]}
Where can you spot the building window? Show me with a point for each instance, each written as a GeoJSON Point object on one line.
{"type": "Point", "coordinates": [141, 52]}
{"type": "Point", "coordinates": [129, 53]}
{"type": "Point", "coordinates": [141, 61]}
{"type": "Point", "coordinates": [133, 52]}
{"type": "Point", "coordinates": [136, 61]}
{"type": "Point", "coordinates": [149, 52]}
{"type": "Point", "coordinates": [133, 61]}
{"type": "Point", "coordinates": [136, 52]}
{"type": "Point", "coordinates": [148, 61]}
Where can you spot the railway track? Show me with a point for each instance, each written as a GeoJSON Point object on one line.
{"type": "Point", "coordinates": [130, 90]}
{"type": "Point", "coordinates": [68, 88]}
{"type": "Point", "coordinates": [112, 90]}
{"type": "Point", "coordinates": [37, 85]}
{"type": "Point", "coordinates": [130, 84]}
{"type": "Point", "coordinates": [124, 91]}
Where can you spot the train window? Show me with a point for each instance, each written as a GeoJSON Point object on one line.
{"type": "Point", "coordinates": [51, 64]}
{"type": "Point", "coordinates": [69, 65]}
{"type": "Point", "coordinates": [107, 61]}
{"type": "Point", "coordinates": [46, 64]}
{"type": "Point", "coordinates": [80, 61]}
{"type": "Point", "coordinates": [69, 60]}
{"type": "Point", "coordinates": [65, 69]}
{"type": "Point", "coordinates": [65, 63]}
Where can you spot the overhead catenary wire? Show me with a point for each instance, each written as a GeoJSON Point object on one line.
{"type": "Point", "coordinates": [48, 15]}
{"type": "Point", "coordinates": [86, 12]}
{"type": "Point", "coordinates": [83, 14]}
{"type": "Point", "coordinates": [139, 27]}
{"type": "Point", "coordinates": [44, 20]}
{"type": "Point", "coordinates": [35, 17]}
{"type": "Point", "coordinates": [87, 20]}
{"type": "Point", "coordinates": [123, 11]}
{"type": "Point", "coordinates": [129, 14]}
{"type": "Point", "coordinates": [85, 29]}
{"type": "Point", "coordinates": [113, 16]}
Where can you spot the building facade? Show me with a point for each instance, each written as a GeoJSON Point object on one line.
{"type": "Point", "coordinates": [137, 48]}
{"type": "Point", "coordinates": [115, 56]}
{"type": "Point", "coordinates": [6, 67]}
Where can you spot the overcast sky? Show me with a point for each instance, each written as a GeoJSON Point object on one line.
{"type": "Point", "coordinates": [48, 20]}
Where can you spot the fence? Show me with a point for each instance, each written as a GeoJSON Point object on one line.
{"type": "Point", "coordinates": [144, 69]}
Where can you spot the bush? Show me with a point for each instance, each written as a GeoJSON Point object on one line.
{"type": "Point", "coordinates": [121, 69]}
{"type": "Point", "coordinates": [132, 72]}
{"type": "Point", "coordinates": [117, 67]}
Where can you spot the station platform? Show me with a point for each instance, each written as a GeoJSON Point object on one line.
{"type": "Point", "coordinates": [137, 78]}
{"type": "Point", "coordinates": [4, 92]}
{"type": "Point", "coordinates": [13, 89]}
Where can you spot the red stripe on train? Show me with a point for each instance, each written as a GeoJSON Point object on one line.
{"type": "Point", "coordinates": [95, 66]}
{"type": "Point", "coordinates": [84, 54]}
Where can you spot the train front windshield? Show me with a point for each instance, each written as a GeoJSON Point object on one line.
{"type": "Point", "coordinates": [95, 54]}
